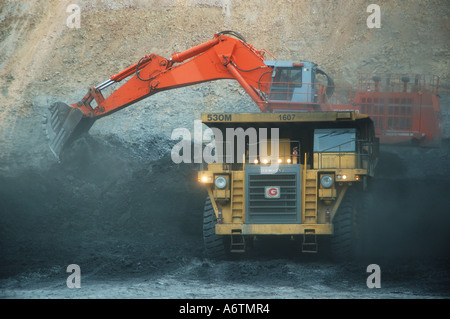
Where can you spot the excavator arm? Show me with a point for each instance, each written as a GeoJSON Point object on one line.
{"type": "Point", "coordinates": [222, 57]}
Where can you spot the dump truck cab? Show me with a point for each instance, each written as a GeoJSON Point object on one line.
{"type": "Point", "coordinates": [284, 174]}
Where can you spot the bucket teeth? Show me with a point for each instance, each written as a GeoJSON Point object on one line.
{"type": "Point", "coordinates": [59, 123]}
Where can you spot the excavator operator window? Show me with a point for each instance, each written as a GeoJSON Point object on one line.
{"type": "Point", "coordinates": [292, 76]}
{"type": "Point", "coordinates": [284, 83]}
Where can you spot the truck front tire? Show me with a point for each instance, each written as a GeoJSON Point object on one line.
{"type": "Point", "coordinates": [214, 244]}
{"type": "Point", "coordinates": [346, 240]}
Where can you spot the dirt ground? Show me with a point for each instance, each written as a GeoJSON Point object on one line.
{"type": "Point", "coordinates": [134, 228]}
{"type": "Point", "coordinates": [117, 206]}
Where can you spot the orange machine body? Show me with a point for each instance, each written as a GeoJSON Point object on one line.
{"type": "Point", "coordinates": [402, 111]}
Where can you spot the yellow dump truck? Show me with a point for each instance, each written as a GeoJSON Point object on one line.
{"type": "Point", "coordinates": [298, 175]}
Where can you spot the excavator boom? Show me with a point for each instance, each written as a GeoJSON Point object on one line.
{"type": "Point", "coordinates": [215, 59]}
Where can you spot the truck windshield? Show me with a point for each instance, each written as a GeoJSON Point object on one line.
{"type": "Point", "coordinates": [335, 140]}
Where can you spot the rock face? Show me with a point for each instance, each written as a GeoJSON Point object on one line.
{"type": "Point", "coordinates": [46, 57]}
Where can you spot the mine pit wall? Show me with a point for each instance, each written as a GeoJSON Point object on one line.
{"type": "Point", "coordinates": [43, 60]}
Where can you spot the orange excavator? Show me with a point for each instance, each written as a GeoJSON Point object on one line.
{"type": "Point", "coordinates": [402, 110]}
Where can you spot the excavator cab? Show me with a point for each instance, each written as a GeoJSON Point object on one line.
{"type": "Point", "coordinates": [293, 81]}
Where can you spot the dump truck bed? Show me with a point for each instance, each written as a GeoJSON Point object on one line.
{"type": "Point", "coordinates": [282, 117]}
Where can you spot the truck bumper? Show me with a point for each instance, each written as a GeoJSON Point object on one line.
{"type": "Point", "coordinates": [273, 229]}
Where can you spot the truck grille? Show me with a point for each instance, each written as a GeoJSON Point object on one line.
{"type": "Point", "coordinates": [282, 210]}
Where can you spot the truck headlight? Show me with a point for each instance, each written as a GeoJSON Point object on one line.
{"type": "Point", "coordinates": [326, 181]}
{"type": "Point", "coordinates": [220, 182]}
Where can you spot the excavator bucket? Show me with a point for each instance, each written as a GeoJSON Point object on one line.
{"type": "Point", "coordinates": [62, 124]}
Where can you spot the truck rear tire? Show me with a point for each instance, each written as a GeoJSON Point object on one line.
{"type": "Point", "coordinates": [214, 244]}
